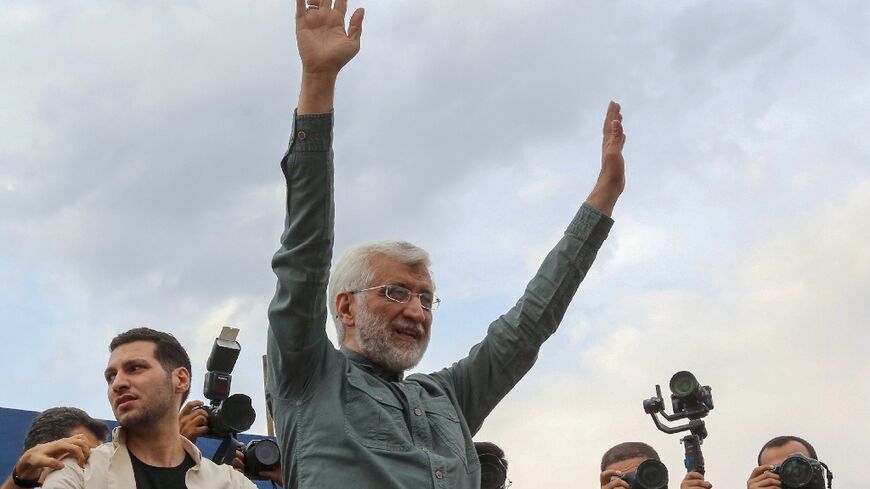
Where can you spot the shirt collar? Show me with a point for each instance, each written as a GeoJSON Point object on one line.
{"type": "Point", "coordinates": [371, 367]}
{"type": "Point", "coordinates": [119, 438]}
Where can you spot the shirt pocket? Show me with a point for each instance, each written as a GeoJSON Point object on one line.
{"type": "Point", "coordinates": [374, 417]}
{"type": "Point", "coordinates": [446, 425]}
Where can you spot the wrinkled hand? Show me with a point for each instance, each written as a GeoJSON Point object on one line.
{"type": "Point", "coordinates": [606, 483]}
{"type": "Point", "coordinates": [611, 179]}
{"type": "Point", "coordinates": [193, 423]}
{"type": "Point", "coordinates": [324, 44]}
{"type": "Point", "coordinates": [49, 455]}
{"type": "Point", "coordinates": [695, 480]}
{"type": "Point", "coordinates": [762, 478]}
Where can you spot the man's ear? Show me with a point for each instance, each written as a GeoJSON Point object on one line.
{"type": "Point", "coordinates": [181, 379]}
{"type": "Point", "coordinates": [344, 308]}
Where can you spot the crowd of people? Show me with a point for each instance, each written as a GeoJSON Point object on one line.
{"type": "Point", "coordinates": [346, 416]}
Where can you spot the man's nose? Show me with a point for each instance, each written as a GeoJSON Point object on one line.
{"type": "Point", "coordinates": [119, 383]}
{"type": "Point", "coordinates": [414, 309]}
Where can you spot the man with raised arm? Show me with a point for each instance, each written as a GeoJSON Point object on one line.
{"type": "Point", "coordinates": [349, 417]}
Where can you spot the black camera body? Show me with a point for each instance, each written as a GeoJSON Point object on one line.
{"type": "Point", "coordinates": [650, 474]}
{"type": "Point", "coordinates": [690, 397]}
{"type": "Point", "coordinates": [801, 472]}
{"type": "Point", "coordinates": [493, 465]}
{"type": "Point", "coordinates": [259, 456]}
{"type": "Point", "coordinates": [692, 401]}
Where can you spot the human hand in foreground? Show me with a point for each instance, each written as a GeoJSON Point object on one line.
{"type": "Point", "coordinates": [611, 179]}
{"type": "Point", "coordinates": [695, 480]}
{"type": "Point", "coordinates": [49, 455]}
{"type": "Point", "coordinates": [763, 478]}
{"type": "Point", "coordinates": [193, 423]}
{"type": "Point", "coordinates": [616, 483]}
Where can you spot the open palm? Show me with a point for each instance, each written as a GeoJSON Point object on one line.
{"type": "Point", "coordinates": [324, 44]}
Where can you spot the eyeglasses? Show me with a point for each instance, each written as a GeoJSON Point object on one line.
{"type": "Point", "coordinates": [402, 295]}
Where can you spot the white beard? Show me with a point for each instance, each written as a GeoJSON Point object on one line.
{"type": "Point", "coordinates": [374, 336]}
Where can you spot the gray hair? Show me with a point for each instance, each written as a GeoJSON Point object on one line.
{"type": "Point", "coordinates": [353, 270]}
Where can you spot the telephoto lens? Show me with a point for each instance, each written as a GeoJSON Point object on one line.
{"type": "Point", "coordinates": [650, 474]}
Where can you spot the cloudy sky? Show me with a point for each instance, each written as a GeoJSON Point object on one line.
{"type": "Point", "coordinates": [139, 185]}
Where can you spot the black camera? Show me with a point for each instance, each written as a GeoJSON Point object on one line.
{"type": "Point", "coordinates": [650, 474]}
{"type": "Point", "coordinates": [228, 415]}
{"type": "Point", "coordinates": [690, 397]}
{"type": "Point", "coordinates": [493, 465]}
{"type": "Point", "coordinates": [691, 401]}
{"type": "Point", "coordinates": [259, 456]}
{"type": "Point", "coordinates": [801, 472]}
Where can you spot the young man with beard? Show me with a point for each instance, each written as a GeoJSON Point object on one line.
{"type": "Point", "coordinates": [349, 417]}
{"type": "Point", "coordinates": [148, 378]}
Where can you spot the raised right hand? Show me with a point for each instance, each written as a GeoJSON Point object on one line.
{"type": "Point", "coordinates": [763, 478]}
{"type": "Point", "coordinates": [324, 45]}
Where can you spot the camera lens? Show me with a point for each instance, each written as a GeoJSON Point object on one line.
{"type": "Point", "coordinates": [796, 472]}
{"type": "Point", "coordinates": [266, 452]}
{"type": "Point", "coordinates": [492, 472]}
{"type": "Point", "coordinates": [234, 415]}
{"type": "Point", "coordinates": [683, 384]}
{"type": "Point", "coordinates": [652, 474]}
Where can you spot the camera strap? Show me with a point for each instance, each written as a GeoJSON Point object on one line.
{"type": "Point", "coordinates": [828, 474]}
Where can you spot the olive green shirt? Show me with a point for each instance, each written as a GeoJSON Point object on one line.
{"type": "Point", "coordinates": [343, 422]}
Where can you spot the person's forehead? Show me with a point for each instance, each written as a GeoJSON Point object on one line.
{"type": "Point", "coordinates": [626, 465]}
{"type": "Point", "coordinates": [388, 270]}
{"type": "Point", "coordinates": [135, 349]}
{"type": "Point", "coordinates": [776, 455]}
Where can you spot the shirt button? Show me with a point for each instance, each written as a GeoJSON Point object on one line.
{"type": "Point", "coordinates": [301, 135]}
{"type": "Point", "coordinates": [439, 475]}
{"type": "Point", "coordinates": [418, 411]}
{"type": "Point", "coordinates": [452, 416]}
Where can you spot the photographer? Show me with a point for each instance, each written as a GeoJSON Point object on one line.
{"type": "Point", "coordinates": [193, 423]}
{"type": "Point", "coordinates": [766, 475]}
{"type": "Point", "coordinates": [54, 434]}
{"type": "Point", "coordinates": [626, 457]}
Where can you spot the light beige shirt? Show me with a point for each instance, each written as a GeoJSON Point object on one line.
{"type": "Point", "coordinates": [109, 467]}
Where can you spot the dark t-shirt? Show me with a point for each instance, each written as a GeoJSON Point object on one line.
{"type": "Point", "coordinates": [149, 477]}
